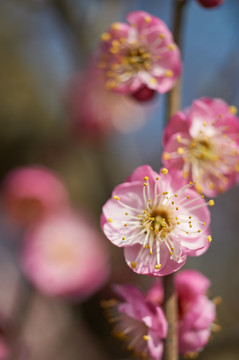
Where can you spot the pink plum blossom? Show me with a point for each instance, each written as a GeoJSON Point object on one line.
{"type": "Point", "coordinates": [138, 321]}
{"type": "Point", "coordinates": [141, 53]}
{"type": "Point", "coordinates": [64, 255]}
{"type": "Point", "coordinates": [210, 3]}
{"type": "Point", "coordinates": [158, 219]}
{"type": "Point", "coordinates": [203, 143]}
{"type": "Point", "coordinates": [196, 313]}
{"type": "Point", "coordinates": [31, 192]}
{"type": "Point", "coordinates": [96, 111]}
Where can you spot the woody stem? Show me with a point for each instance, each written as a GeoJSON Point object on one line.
{"type": "Point", "coordinates": [170, 298]}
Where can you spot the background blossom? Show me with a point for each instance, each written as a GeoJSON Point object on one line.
{"type": "Point", "coordinates": [63, 255]}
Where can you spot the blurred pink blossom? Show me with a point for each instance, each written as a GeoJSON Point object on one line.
{"type": "Point", "coordinates": [96, 111]}
{"type": "Point", "coordinates": [31, 192]}
{"type": "Point", "coordinates": [139, 322]}
{"type": "Point", "coordinates": [158, 219]}
{"type": "Point", "coordinates": [64, 255]}
{"type": "Point", "coordinates": [210, 3]}
{"type": "Point", "coordinates": [203, 142]}
{"type": "Point", "coordinates": [139, 54]}
{"type": "Point", "coordinates": [4, 350]}
{"type": "Point", "coordinates": [196, 313]}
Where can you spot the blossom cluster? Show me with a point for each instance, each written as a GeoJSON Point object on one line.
{"type": "Point", "coordinates": [139, 320]}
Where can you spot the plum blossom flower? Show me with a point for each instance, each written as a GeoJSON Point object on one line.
{"type": "Point", "coordinates": [138, 321]}
{"type": "Point", "coordinates": [32, 192]}
{"type": "Point", "coordinates": [158, 220]}
{"type": "Point", "coordinates": [203, 143]}
{"type": "Point", "coordinates": [64, 255]}
{"type": "Point", "coordinates": [141, 53]}
{"type": "Point", "coordinates": [196, 313]}
{"type": "Point", "coordinates": [210, 3]}
{"type": "Point", "coordinates": [96, 111]}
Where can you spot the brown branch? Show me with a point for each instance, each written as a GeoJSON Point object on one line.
{"type": "Point", "coordinates": [170, 298]}
{"type": "Point", "coordinates": [170, 310]}
{"type": "Point", "coordinates": [174, 96]}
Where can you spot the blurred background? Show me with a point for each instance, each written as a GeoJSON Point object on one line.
{"type": "Point", "coordinates": [54, 118]}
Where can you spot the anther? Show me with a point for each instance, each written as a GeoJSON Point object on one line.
{"type": "Point", "coordinates": [146, 337]}
{"type": "Point", "coordinates": [217, 300]}
{"type": "Point", "coordinates": [115, 26]}
{"type": "Point", "coordinates": [133, 264]}
{"type": "Point", "coordinates": [166, 156]}
{"type": "Point", "coordinates": [209, 238]}
{"type": "Point", "coordinates": [233, 110]}
{"type": "Point", "coordinates": [171, 47]}
{"type": "Point", "coordinates": [106, 36]}
{"type": "Point", "coordinates": [146, 178]}
{"type": "Point", "coordinates": [116, 197]}
{"type": "Point", "coordinates": [180, 150]}
{"type": "Point", "coordinates": [110, 220]}
{"type": "Point", "coordinates": [211, 202]}
{"type": "Point", "coordinates": [158, 266]}
{"type": "Point", "coordinates": [179, 138]}
{"type": "Point", "coordinates": [164, 171]}
{"type": "Point", "coordinates": [168, 73]}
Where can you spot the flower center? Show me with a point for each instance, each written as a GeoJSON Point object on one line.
{"type": "Point", "coordinates": [202, 149]}
{"type": "Point", "coordinates": [138, 59]}
{"type": "Point", "coordinates": [161, 219]}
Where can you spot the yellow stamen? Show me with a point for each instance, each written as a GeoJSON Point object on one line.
{"type": "Point", "coordinates": [153, 81]}
{"type": "Point", "coordinates": [164, 171]}
{"type": "Point", "coordinates": [211, 202]}
{"type": "Point", "coordinates": [106, 36]}
{"type": "Point", "coordinates": [166, 156]}
{"type": "Point", "coordinates": [115, 26]}
{"type": "Point", "coordinates": [171, 47]}
{"type": "Point", "coordinates": [233, 110]}
{"type": "Point", "coordinates": [110, 220]}
{"type": "Point", "coordinates": [116, 197]}
{"type": "Point", "coordinates": [133, 264]}
{"type": "Point", "coordinates": [179, 138]}
{"type": "Point", "coordinates": [158, 266]}
{"type": "Point", "coordinates": [180, 150]}
{"type": "Point", "coordinates": [168, 73]}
